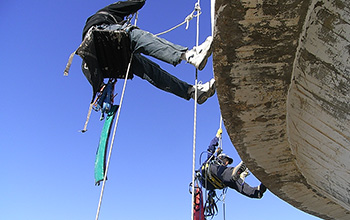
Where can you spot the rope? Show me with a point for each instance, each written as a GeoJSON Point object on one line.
{"type": "Point", "coordinates": [224, 204]}
{"type": "Point", "coordinates": [220, 140]}
{"type": "Point", "coordinates": [112, 141]}
{"type": "Point", "coordinates": [187, 21]}
{"type": "Point", "coordinates": [197, 9]}
{"type": "Point", "coordinates": [87, 118]}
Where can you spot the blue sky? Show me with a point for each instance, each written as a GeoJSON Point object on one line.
{"type": "Point", "coordinates": [47, 166]}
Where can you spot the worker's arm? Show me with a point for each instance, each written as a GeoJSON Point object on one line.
{"type": "Point", "coordinates": [214, 143]}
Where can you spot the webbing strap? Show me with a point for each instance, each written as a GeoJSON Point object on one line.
{"type": "Point", "coordinates": [212, 178]}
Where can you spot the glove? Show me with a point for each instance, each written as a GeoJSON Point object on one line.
{"type": "Point", "coordinates": [219, 151]}
{"type": "Point", "coordinates": [218, 133]}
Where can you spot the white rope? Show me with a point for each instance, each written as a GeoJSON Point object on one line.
{"type": "Point", "coordinates": [197, 8]}
{"type": "Point", "coordinates": [212, 16]}
{"type": "Point", "coordinates": [112, 141]}
{"type": "Point", "coordinates": [223, 203]}
{"type": "Point", "coordinates": [187, 21]}
{"type": "Point", "coordinates": [220, 139]}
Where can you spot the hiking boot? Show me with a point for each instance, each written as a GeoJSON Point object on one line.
{"type": "Point", "coordinates": [198, 56]}
{"type": "Point", "coordinates": [240, 168]}
{"type": "Point", "coordinates": [261, 189]}
{"type": "Point", "coordinates": [204, 91]}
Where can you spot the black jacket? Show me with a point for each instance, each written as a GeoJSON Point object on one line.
{"type": "Point", "coordinates": [112, 13]}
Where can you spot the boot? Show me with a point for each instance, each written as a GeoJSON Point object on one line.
{"type": "Point", "coordinates": [204, 91]}
{"type": "Point", "coordinates": [198, 56]}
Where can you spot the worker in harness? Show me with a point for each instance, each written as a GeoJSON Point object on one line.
{"type": "Point", "coordinates": [215, 173]}
{"type": "Point", "coordinates": [113, 17]}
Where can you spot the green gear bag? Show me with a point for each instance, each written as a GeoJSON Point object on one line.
{"type": "Point", "coordinates": [100, 162]}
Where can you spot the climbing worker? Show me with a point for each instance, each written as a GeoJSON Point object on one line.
{"type": "Point", "coordinates": [114, 17]}
{"type": "Point", "coordinates": [215, 173]}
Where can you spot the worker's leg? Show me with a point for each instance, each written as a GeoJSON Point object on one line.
{"type": "Point", "coordinates": [245, 189]}
{"type": "Point", "coordinates": [149, 44]}
{"type": "Point", "coordinates": [150, 71]}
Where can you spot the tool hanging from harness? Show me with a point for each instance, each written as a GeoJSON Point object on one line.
{"type": "Point", "coordinates": [104, 101]}
{"type": "Point", "coordinates": [210, 207]}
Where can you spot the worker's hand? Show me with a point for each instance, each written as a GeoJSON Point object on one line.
{"type": "Point", "coordinates": [219, 150]}
{"type": "Point", "coordinates": [218, 133]}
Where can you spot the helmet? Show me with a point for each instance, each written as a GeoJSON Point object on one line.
{"type": "Point", "coordinates": [222, 156]}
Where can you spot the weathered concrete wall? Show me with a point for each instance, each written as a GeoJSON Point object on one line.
{"type": "Point", "coordinates": [282, 70]}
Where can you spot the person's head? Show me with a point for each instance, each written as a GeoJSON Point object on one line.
{"type": "Point", "coordinates": [226, 160]}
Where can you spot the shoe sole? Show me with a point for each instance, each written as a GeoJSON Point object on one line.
{"type": "Point", "coordinates": [202, 98]}
{"type": "Point", "coordinates": [205, 59]}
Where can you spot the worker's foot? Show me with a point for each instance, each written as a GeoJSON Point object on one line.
{"type": "Point", "coordinates": [262, 190]}
{"type": "Point", "coordinates": [204, 91]}
{"type": "Point", "coordinates": [198, 56]}
{"type": "Point", "coordinates": [244, 174]}
{"type": "Point", "coordinates": [240, 168]}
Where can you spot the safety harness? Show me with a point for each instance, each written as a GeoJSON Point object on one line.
{"type": "Point", "coordinates": [211, 177]}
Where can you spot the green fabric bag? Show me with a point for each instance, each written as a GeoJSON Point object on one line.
{"type": "Point", "coordinates": [100, 162]}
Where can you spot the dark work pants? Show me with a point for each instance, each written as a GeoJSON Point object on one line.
{"type": "Point", "coordinates": [225, 174]}
{"type": "Point", "coordinates": [149, 44]}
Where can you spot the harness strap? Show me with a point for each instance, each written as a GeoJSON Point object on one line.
{"type": "Point", "coordinates": [212, 178]}
{"type": "Point", "coordinates": [70, 60]}
{"type": "Point", "coordinates": [109, 15]}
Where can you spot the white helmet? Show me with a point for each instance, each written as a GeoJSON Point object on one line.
{"type": "Point", "coordinates": [222, 156]}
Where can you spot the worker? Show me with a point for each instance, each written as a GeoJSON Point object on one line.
{"type": "Point", "coordinates": [228, 176]}
{"type": "Point", "coordinates": [114, 17]}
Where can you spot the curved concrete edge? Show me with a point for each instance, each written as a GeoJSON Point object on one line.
{"type": "Point", "coordinates": [254, 50]}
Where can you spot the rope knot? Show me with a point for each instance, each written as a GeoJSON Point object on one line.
{"type": "Point", "coordinates": [197, 7]}
{"type": "Point", "coordinates": [188, 19]}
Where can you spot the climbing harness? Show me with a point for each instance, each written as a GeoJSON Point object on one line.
{"type": "Point", "coordinates": [210, 177]}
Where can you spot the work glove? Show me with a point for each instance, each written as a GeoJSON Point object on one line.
{"type": "Point", "coordinates": [218, 133]}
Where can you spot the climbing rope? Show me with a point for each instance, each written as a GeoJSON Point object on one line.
{"type": "Point", "coordinates": [187, 21]}
{"type": "Point", "coordinates": [220, 139]}
{"type": "Point", "coordinates": [197, 9]}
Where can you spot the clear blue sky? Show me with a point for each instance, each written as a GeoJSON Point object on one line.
{"type": "Point", "coordinates": [47, 166]}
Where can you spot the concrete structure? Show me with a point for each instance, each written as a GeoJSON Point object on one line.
{"type": "Point", "coordinates": [283, 83]}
